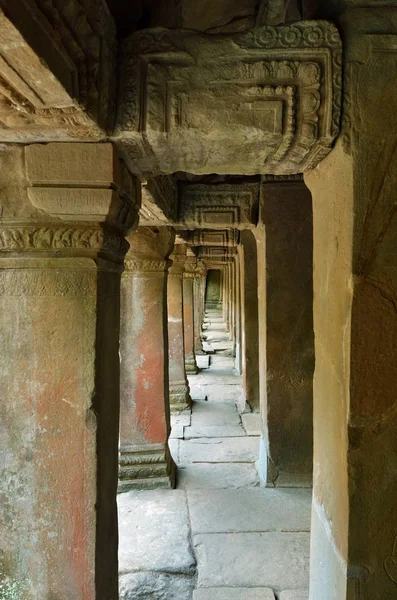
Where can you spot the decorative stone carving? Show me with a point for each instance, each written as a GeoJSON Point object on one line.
{"type": "Point", "coordinates": [218, 206]}
{"type": "Point", "coordinates": [277, 89]}
{"type": "Point", "coordinates": [57, 70]}
{"type": "Point", "coordinates": [146, 265]}
{"type": "Point", "coordinates": [159, 202]}
{"type": "Point", "coordinates": [228, 237]}
{"type": "Point", "coordinates": [146, 467]}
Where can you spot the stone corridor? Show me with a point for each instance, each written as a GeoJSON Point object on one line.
{"type": "Point", "coordinates": [220, 535]}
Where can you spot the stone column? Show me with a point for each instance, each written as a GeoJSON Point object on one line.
{"type": "Point", "coordinates": [249, 294]}
{"type": "Point", "coordinates": [60, 265]}
{"type": "Point", "coordinates": [230, 298]}
{"type": "Point", "coordinates": [287, 214]}
{"type": "Point", "coordinates": [354, 519]}
{"type": "Point", "coordinates": [178, 384]}
{"type": "Point", "coordinates": [145, 460]}
{"type": "Point", "coordinates": [198, 301]}
{"type": "Point", "coordinates": [225, 294]}
{"type": "Point", "coordinates": [188, 317]}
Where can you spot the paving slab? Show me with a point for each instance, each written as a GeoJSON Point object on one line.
{"type": "Point", "coordinates": [211, 431]}
{"type": "Point", "coordinates": [215, 414]}
{"type": "Point", "coordinates": [294, 595]}
{"type": "Point", "coordinates": [257, 510]}
{"type": "Point", "coordinates": [180, 420]}
{"type": "Point", "coordinates": [177, 432]}
{"type": "Point", "coordinates": [234, 594]}
{"type": "Point", "coordinates": [154, 532]}
{"type": "Point", "coordinates": [276, 560]}
{"type": "Point", "coordinates": [224, 393]}
{"type": "Point", "coordinates": [217, 476]}
{"type": "Point", "coordinates": [156, 586]}
{"type": "Point", "coordinates": [219, 450]}
{"type": "Point", "coordinates": [252, 423]}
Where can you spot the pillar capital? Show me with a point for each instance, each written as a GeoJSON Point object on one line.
{"type": "Point", "coordinates": [83, 201]}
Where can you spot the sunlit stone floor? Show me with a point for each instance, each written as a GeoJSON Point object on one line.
{"type": "Point", "coordinates": [219, 535]}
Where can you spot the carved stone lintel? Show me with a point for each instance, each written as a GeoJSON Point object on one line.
{"type": "Point", "coordinates": [182, 91]}
{"type": "Point", "coordinates": [180, 399]}
{"type": "Point", "coordinates": [57, 70]}
{"type": "Point", "coordinates": [146, 467]}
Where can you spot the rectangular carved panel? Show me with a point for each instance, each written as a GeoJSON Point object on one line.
{"type": "Point", "coordinates": [264, 101]}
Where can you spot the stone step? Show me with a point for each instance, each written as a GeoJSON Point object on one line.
{"type": "Point", "coordinates": [234, 594]}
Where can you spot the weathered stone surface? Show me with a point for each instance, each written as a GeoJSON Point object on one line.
{"type": "Point", "coordinates": [196, 86]}
{"type": "Point", "coordinates": [252, 423]}
{"type": "Point", "coordinates": [154, 532]}
{"type": "Point", "coordinates": [206, 414]}
{"type": "Point", "coordinates": [220, 476]}
{"type": "Point", "coordinates": [284, 560]}
{"type": "Point", "coordinates": [213, 431]}
{"type": "Point", "coordinates": [228, 511]}
{"type": "Point", "coordinates": [295, 595]}
{"type": "Point", "coordinates": [156, 586]}
{"type": "Point", "coordinates": [58, 70]}
{"type": "Point", "coordinates": [219, 450]}
{"type": "Point", "coordinates": [233, 594]}
{"type": "Point", "coordinates": [287, 214]}
{"type": "Point", "coordinates": [60, 384]}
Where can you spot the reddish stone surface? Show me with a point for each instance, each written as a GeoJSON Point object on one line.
{"type": "Point", "coordinates": [144, 393]}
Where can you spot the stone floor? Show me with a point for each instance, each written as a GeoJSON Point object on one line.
{"type": "Point", "coordinates": [219, 535]}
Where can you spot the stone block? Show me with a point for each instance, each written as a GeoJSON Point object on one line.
{"type": "Point", "coordinates": [228, 511]}
{"type": "Point", "coordinates": [219, 450]}
{"type": "Point", "coordinates": [295, 595]}
{"type": "Point", "coordinates": [66, 164]}
{"type": "Point", "coordinates": [220, 476]}
{"type": "Point", "coordinates": [177, 432]}
{"type": "Point", "coordinates": [154, 532]}
{"type": "Point", "coordinates": [197, 86]}
{"type": "Point", "coordinates": [252, 423]}
{"type": "Point", "coordinates": [154, 585]}
{"type": "Point", "coordinates": [232, 560]}
{"type": "Point", "coordinates": [233, 594]}
{"type": "Point", "coordinates": [213, 431]}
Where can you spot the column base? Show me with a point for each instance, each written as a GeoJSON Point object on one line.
{"type": "Point", "coordinates": [190, 364]}
{"type": "Point", "coordinates": [180, 397]}
{"type": "Point", "coordinates": [146, 467]}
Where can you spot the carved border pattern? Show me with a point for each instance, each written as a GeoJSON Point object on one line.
{"type": "Point", "coordinates": [17, 239]}
{"type": "Point", "coordinates": [145, 265]}
{"type": "Point", "coordinates": [53, 282]}
{"type": "Point", "coordinates": [307, 34]}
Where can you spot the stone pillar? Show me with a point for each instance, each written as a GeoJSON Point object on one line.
{"type": "Point", "coordinates": [60, 266]}
{"type": "Point", "coordinates": [225, 294]}
{"type": "Point", "coordinates": [188, 316]}
{"type": "Point", "coordinates": [178, 385]}
{"type": "Point", "coordinates": [287, 214]}
{"type": "Point", "coordinates": [198, 302]}
{"type": "Point", "coordinates": [249, 293]}
{"type": "Point", "coordinates": [354, 519]}
{"type": "Point", "coordinates": [260, 237]}
{"type": "Point", "coordinates": [145, 460]}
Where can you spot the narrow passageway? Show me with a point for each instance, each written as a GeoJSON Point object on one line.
{"type": "Point", "coordinates": [220, 535]}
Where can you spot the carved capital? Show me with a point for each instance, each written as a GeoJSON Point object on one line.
{"type": "Point", "coordinates": [62, 239]}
